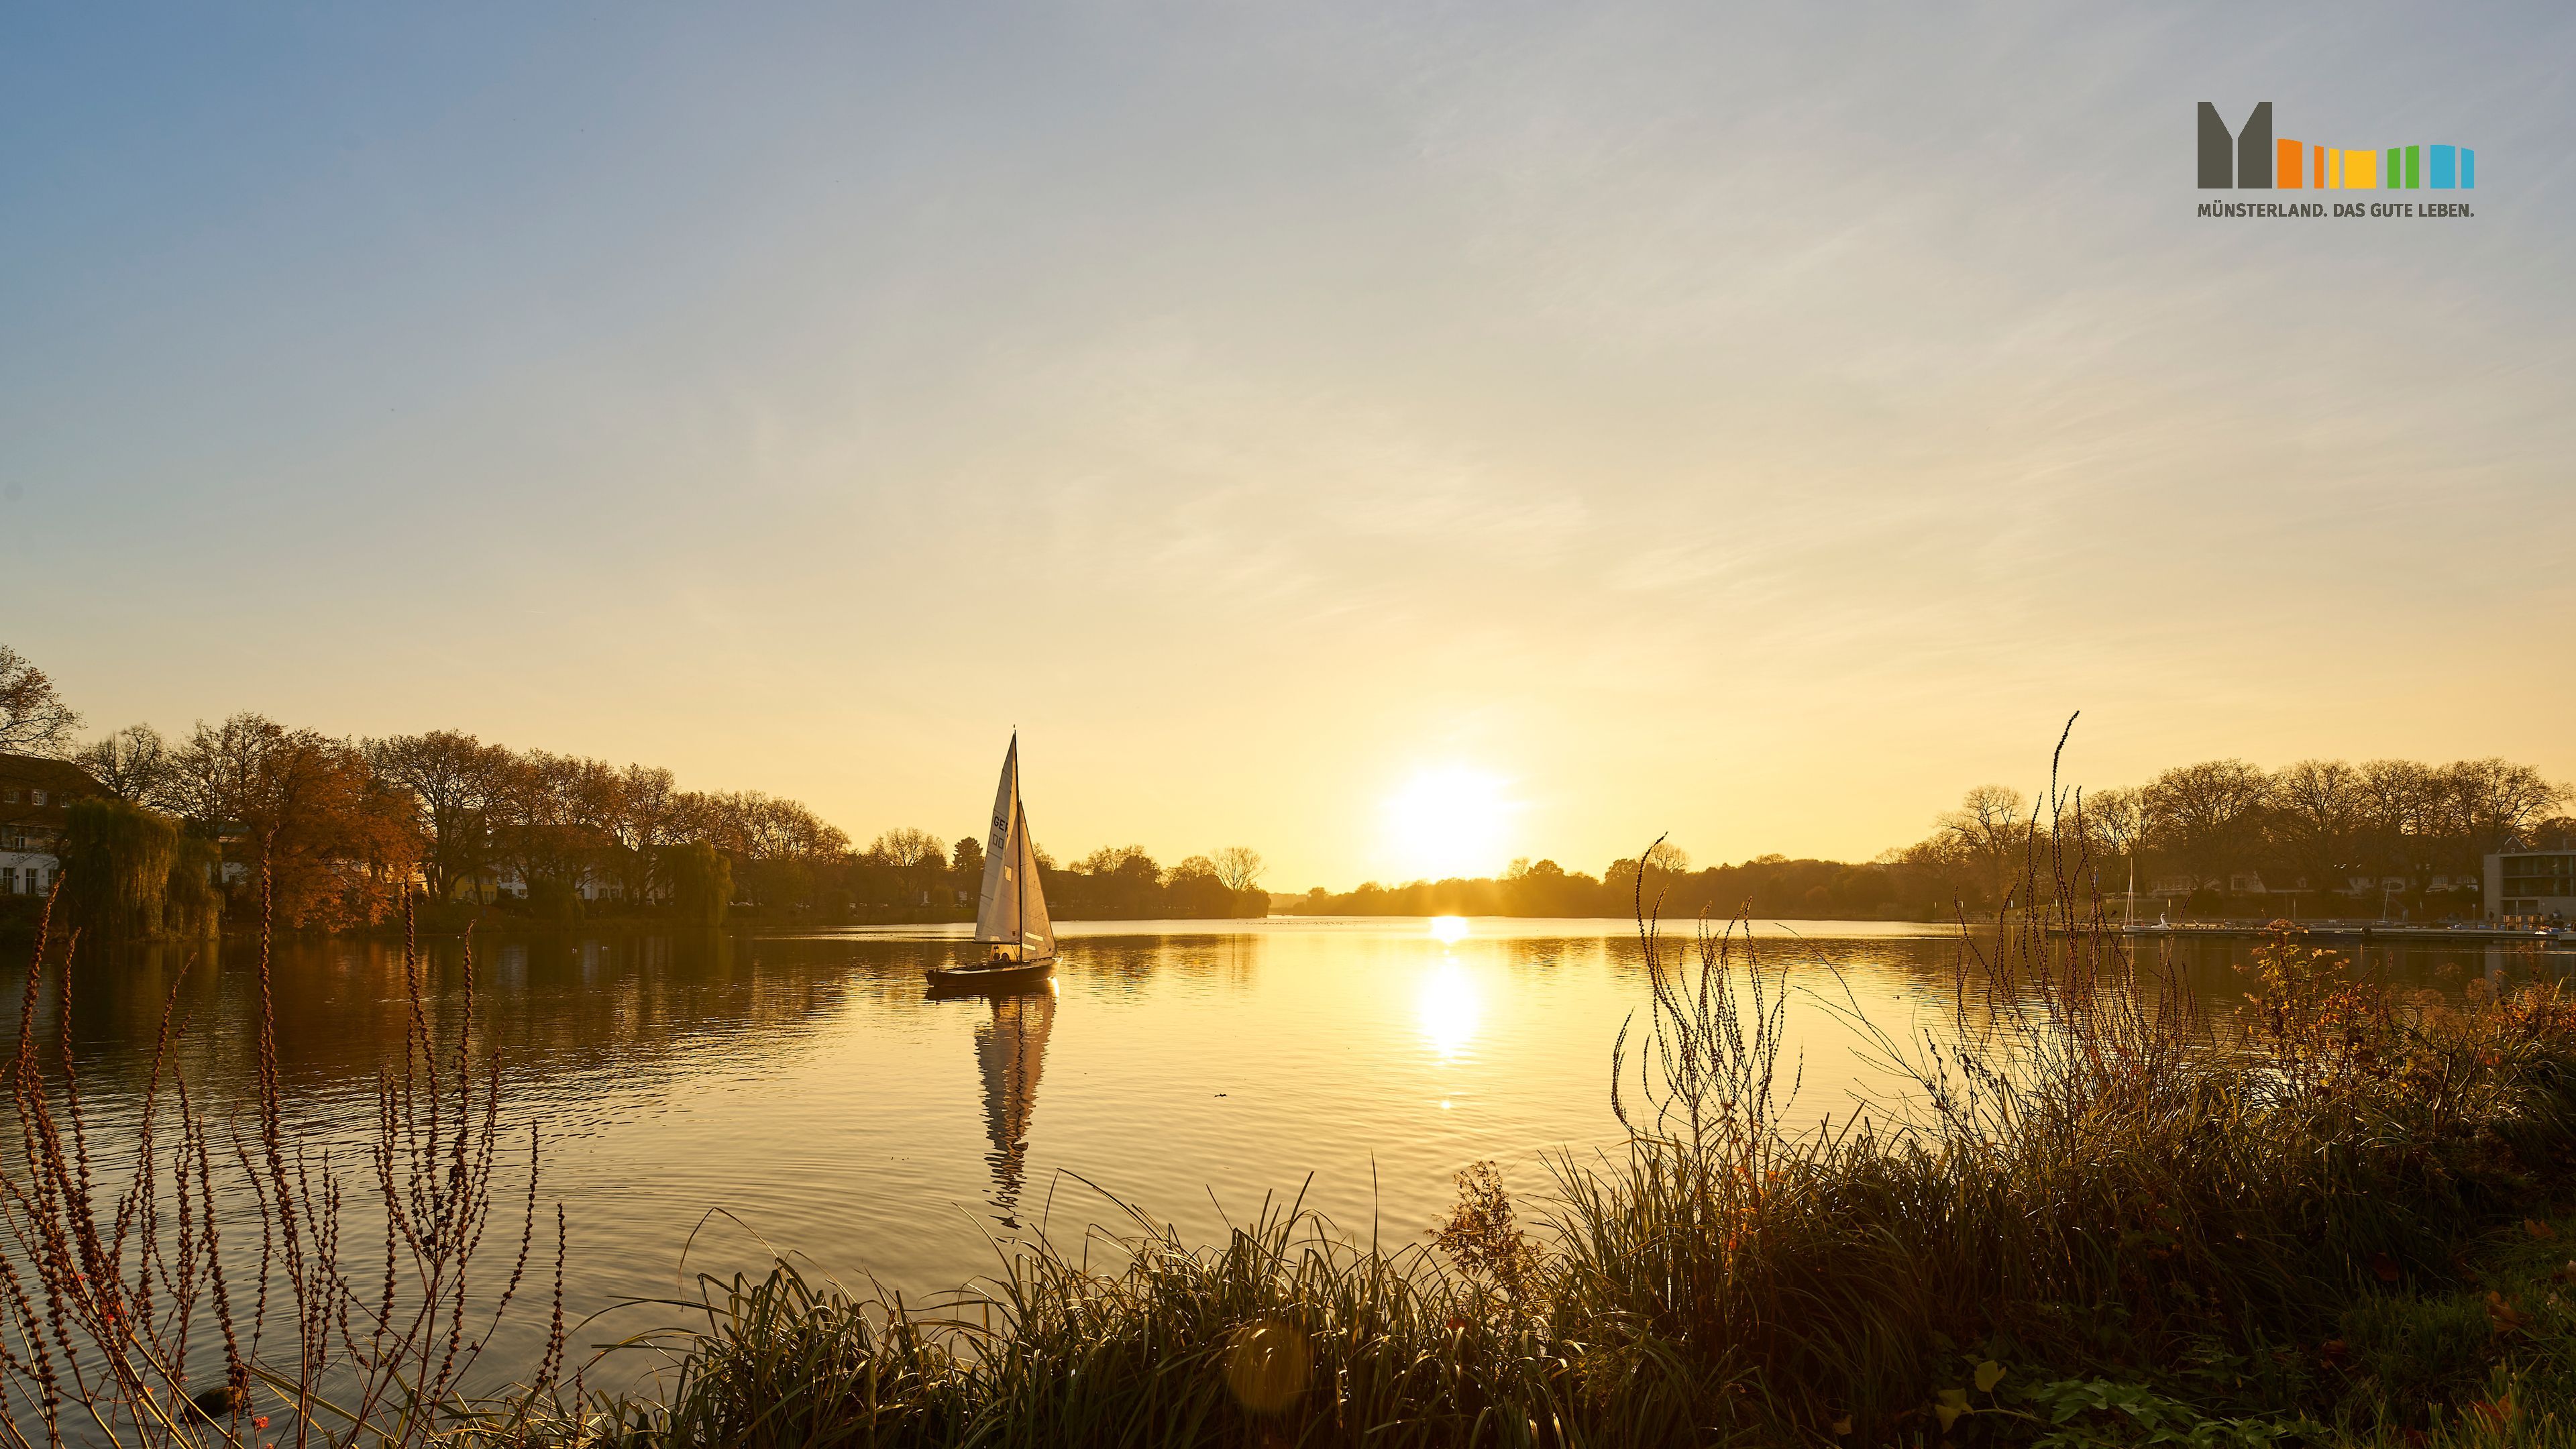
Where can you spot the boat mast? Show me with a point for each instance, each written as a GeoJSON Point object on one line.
{"type": "Point", "coordinates": [1019, 829]}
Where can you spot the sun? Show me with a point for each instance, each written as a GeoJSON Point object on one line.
{"type": "Point", "coordinates": [1448, 821]}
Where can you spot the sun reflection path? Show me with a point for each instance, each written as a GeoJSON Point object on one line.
{"type": "Point", "coordinates": [1449, 1008]}
{"type": "Point", "coordinates": [1449, 930]}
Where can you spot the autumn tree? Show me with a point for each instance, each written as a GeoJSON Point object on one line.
{"type": "Point", "coordinates": [337, 843]}
{"type": "Point", "coordinates": [33, 718]}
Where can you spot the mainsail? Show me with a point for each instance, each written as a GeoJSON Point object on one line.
{"type": "Point", "coordinates": [1012, 911]}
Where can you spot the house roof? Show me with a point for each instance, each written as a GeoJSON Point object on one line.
{"type": "Point", "coordinates": [31, 826]}
{"type": "Point", "coordinates": [50, 776]}
{"type": "Point", "coordinates": [60, 785]}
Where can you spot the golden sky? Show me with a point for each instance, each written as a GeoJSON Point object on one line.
{"type": "Point", "coordinates": [1626, 419]}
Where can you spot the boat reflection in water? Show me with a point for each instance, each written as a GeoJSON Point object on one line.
{"type": "Point", "coordinates": [1010, 1050]}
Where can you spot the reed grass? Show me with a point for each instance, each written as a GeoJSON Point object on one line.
{"type": "Point", "coordinates": [189, 1280]}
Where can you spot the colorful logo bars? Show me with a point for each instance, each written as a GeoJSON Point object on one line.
{"type": "Point", "coordinates": [2397, 168]}
{"type": "Point", "coordinates": [2251, 158]}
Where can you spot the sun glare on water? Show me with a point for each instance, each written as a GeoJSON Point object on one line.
{"type": "Point", "coordinates": [1449, 1008]}
{"type": "Point", "coordinates": [1449, 930]}
{"type": "Point", "coordinates": [1449, 821]}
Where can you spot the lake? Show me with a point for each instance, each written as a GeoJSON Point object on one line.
{"type": "Point", "coordinates": [807, 1088]}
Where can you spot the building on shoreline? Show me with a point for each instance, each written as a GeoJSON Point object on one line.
{"type": "Point", "coordinates": [35, 796]}
{"type": "Point", "coordinates": [2531, 883]}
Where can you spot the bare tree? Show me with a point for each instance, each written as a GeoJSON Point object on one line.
{"type": "Point", "coordinates": [33, 718]}
{"type": "Point", "coordinates": [452, 779]}
{"type": "Point", "coordinates": [1129, 862]}
{"type": "Point", "coordinates": [2489, 805]}
{"type": "Point", "coordinates": [2321, 815]}
{"type": "Point", "coordinates": [548, 814]}
{"type": "Point", "coordinates": [2120, 825]}
{"type": "Point", "coordinates": [650, 819]}
{"type": "Point", "coordinates": [132, 764]}
{"type": "Point", "coordinates": [915, 855]}
{"type": "Point", "coordinates": [2400, 806]}
{"type": "Point", "coordinates": [1943, 864]}
{"type": "Point", "coordinates": [1990, 830]}
{"type": "Point", "coordinates": [2210, 814]}
{"type": "Point", "coordinates": [1239, 866]}
{"type": "Point", "coordinates": [905, 848]}
{"type": "Point", "coordinates": [211, 774]}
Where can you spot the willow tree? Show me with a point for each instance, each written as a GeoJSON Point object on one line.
{"type": "Point", "coordinates": [116, 868]}
{"type": "Point", "coordinates": [194, 902]}
{"type": "Point", "coordinates": [701, 882]}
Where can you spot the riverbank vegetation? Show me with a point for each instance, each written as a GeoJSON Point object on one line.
{"type": "Point", "coordinates": [348, 830]}
{"type": "Point", "coordinates": [2389, 838]}
{"type": "Point", "coordinates": [2337, 1212]}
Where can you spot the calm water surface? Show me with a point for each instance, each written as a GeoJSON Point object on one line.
{"type": "Point", "coordinates": [807, 1087]}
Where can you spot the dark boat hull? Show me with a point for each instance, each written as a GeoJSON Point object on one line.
{"type": "Point", "coordinates": [1017, 976]}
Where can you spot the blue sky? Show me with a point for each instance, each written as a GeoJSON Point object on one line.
{"type": "Point", "coordinates": [1754, 424]}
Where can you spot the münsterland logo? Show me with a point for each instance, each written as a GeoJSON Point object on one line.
{"type": "Point", "coordinates": [2251, 158]}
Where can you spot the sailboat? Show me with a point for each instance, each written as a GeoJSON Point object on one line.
{"type": "Point", "coordinates": [1015, 941]}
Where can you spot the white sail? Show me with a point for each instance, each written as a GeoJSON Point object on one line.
{"type": "Point", "coordinates": [1012, 909]}
{"type": "Point", "coordinates": [1037, 932]}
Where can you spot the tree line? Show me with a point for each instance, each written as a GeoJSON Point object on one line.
{"type": "Point", "coordinates": [2394, 837]}
{"type": "Point", "coordinates": [343, 828]}
{"type": "Point", "coordinates": [2332, 835]}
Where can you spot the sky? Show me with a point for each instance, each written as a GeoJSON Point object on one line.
{"type": "Point", "coordinates": [1297, 421]}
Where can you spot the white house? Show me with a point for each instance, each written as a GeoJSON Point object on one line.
{"type": "Point", "coordinates": [34, 796]}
